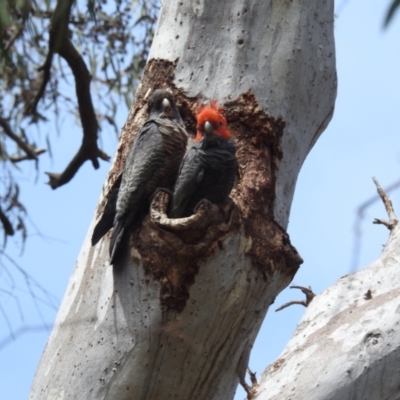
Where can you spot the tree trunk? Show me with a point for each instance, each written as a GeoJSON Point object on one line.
{"type": "Point", "coordinates": [177, 317]}
{"type": "Point", "coordinates": [347, 344]}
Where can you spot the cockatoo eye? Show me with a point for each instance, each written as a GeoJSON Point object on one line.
{"type": "Point", "coordinates": [166, 104]}
{"type": "Point", "coordinates": [208, 127]}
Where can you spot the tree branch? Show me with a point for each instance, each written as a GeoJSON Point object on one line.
{"type": "Point", "coordinates": [88, 149]}
{"type": "Point", "coordinates": [59, 43]}
{"type": "Point", "coordinates": [16, 159]}
{"type": "Point", "coordinates": [31, 154]}
{"type": "Point", "coordinates": [251, 390]}
{"type": "Point", "coordinates": [58, 31]}
{"type": "Point", "coordinates": [357, 224]}
{"type": "Point", "coordinates": [31, 108]}
{"type": "Point", "coordinates": [393, 220]}
{"type": "Point", "coordinates": [309, 296]}
{"type": "Point", "coordinates": [350, 332]}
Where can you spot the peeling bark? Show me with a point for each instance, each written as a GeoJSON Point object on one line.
{"type": "Point", "coordinates": [177, 315]}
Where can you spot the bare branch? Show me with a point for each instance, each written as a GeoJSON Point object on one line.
{"type": "Point", "coordinates": [30, 153]}
{"type": "Point", "coordinates": [4, 342]}
{"type": "Point", "coordinates": [88, 149]}
{"type": "Point", "coordinates": [309, 296]}
{"type": "Point", "coordinates": [59, 43]}
{"type": "Point", "coordinates": [358, 221]}
{"type": "Point", "coordinates": [31, 108]}
{"type": "Point", "coordinates": [16, 159]}
{"type": "Point", "coordinates": [291, 303]}
{"type": "Point", "coordinates": [251, 390]}
{"type": "Point", "coordinates": [58, 32]}
{"type": "Point", "coordinates": [393, 220]}
{"type": "Point", "coordinates": [253, 377]}
{"type": "Point", "coordinates": [361, 209]}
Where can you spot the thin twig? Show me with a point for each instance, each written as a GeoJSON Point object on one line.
{"type": "Point", "coordinates": [309, 296]}
{"type": "Point", "coordinates": [16, 159]}
{"type": "Point", "coordinates": [291, 303]}
{"type": "Point", "coordinates": [253, 377]}
{"type": "Point", "coordinates": [393, 220]}
{"type": "Point", "coordinates": [30, 153]}
{"type": "Point", "coordinates": [358, 222]}
{"type": "Point", "coordinates": [32, 106]}
{"type": "Point", "coordinates": [250, 390]}
{"type": "Point", "coordinates": [20, 331]}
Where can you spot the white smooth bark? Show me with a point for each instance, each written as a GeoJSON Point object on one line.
{"type": "Point", "coordinates": [347, 344]}
{"type": "Point", "coordinates": [112, 338]}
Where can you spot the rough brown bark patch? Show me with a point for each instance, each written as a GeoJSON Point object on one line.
{"type": "Point", "coordinates": [172, 252]}
{"type": "Point", "coordinates": [258, 137]}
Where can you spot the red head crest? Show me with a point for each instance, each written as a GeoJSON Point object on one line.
{"type": "Point", "coordinates": [212, 114]}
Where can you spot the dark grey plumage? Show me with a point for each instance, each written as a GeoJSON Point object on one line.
{"type": "Point", "coordinates": [208, 171]}
{"type": "Point", "coordinates": [107, 219]}
{"type": "Point", "coordinates": [152, 162]}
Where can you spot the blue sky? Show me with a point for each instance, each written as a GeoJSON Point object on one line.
{"type": "Point", "coordinates": [361, 141]}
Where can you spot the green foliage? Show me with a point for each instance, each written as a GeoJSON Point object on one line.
{"type": "Point", "coordinates": [112, 36]}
